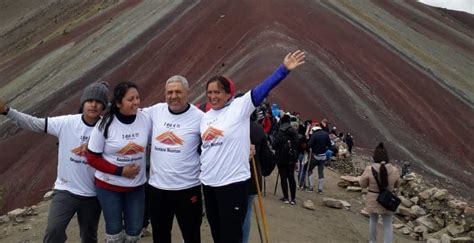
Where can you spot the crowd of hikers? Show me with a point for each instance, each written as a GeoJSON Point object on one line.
{"type": "Point", "coordinates": [148, 165]}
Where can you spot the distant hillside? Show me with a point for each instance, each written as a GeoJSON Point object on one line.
{"type": "Point", "coordinates": [393, 71]}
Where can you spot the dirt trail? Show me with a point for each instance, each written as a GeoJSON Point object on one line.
{"type": "Point", "coordinates": [287, 223]}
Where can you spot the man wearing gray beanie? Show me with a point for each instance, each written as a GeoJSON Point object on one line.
{"type": "Point", "coordinates": [74, 190]}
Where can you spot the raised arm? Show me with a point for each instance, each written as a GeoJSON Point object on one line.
{"type": "Point", "coordinates": [23, 120]}
{"type": "Point", "coordinates": [290, 62]}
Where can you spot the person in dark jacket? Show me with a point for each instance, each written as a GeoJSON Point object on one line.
{"type": "Point", "coordinates": [319, 144]}
{"type": "Point", "coordinates": [349, 141]}
{"type": "Point", "coordinates": [286, 166]}
{"type": "Point", "coordinates": [258, 139]}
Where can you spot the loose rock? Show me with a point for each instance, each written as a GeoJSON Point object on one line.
{"type": "Point", "coordinates": [48, 195]}
{"type": "Point", "coordinates": [308, 204]}
{"type": "Point", "coordinates": [429, 222]}
{"type": "Point", "coordinates": [354, 189]}
{"type": "Point", "coordinates": [4, 219]}
{"type": "Point", "coordinates": [333, 203]}
{"type": "Point", "coordinates": [441, 194]}
{"type": "Point", "coordinates": [15, 213]}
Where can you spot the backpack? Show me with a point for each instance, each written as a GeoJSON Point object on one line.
{"type": "Point", "coordinates": [286, 151]}
{"type": "Point", "coordinates": [267, 160]}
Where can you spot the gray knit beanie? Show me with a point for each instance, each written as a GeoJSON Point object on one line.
{"type": "Point", "coordinates": [96, 91]}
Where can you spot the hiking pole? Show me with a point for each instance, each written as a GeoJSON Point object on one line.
{"type": "Point", "coordinates": [264, 187]}
{"type": "Point", "coordinates": [260, 201]}
{"type": "Point", "coordinates": [276, 183]}
{"type": "Point", "coordinates": [258, 223]}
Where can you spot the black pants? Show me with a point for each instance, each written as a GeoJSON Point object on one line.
{"type": "Point", "coordinates": [185, 204]}
{"type": "Point", "coordinates": [287, 175]}
{"type": "Point", "coordinates": [226, 207]}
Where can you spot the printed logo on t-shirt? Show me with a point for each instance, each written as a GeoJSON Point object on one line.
{"type": "Point", "coordinates": [81, 150]}
{"type": "Point", "coordinates": [212, 133]}
{"type": "Point", "coordinates": [131, 148]}
{"type": "Point", "coordinates": [169, 138]}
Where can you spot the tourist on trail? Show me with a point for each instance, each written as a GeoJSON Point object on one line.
{"type": "Point", "coordinates": [324, 124]}
{"type": "Point", "coordinates": [259, 140]}
{"type": "Point", "coordinates": [117, 150]}
{"type": "Point", "coordinates": [286, 144]}
{"type": "Point", "coordinates": [175, 189]}
{"type": "Point", "coordinates": [276, 112]}
{"type": "Point", "coordinates": [74, 190]}
{"type": "Point", "coordinates": [267, 122]}
{"type": "Point", "coordinates": [303, 153]}
{"type": "Point", "coordinates": [349, 140]}
{"type": "Point", "coordinates": [319, 144]}
{"type": "Point", "coordinates": [225, 133]}
{"type": "Point", "coordinates": [389, 178]}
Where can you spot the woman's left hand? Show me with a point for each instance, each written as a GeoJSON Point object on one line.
{"type": "Point", "coordinates": [252, 151]}
{"type": "Point", "coordinates": [294, 60]}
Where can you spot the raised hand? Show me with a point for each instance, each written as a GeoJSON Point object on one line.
{"type": "Point", "coordinates": [130, 171]}
{"type": "Point", "coordinates": [293, 60]}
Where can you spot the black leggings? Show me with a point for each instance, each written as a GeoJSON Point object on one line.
{"type": "Point", "coordinates": [226, 207]}
{"type": "Point", "coordinates": [287, 175]}
{"type": "Point", "coordinates": [185, 204]}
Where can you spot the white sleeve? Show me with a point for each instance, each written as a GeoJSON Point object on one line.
{"type": "Point", "coordinates": [96, 140]}
{"type": "Point", "coordinates": [243, 106]}
{"type": "Point", "coordinates": [54, 125]}
{"type": "Point", "coordinates": [26, 121]}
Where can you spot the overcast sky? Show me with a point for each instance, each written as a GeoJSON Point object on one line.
{"type": "Point", "coordinates": [460, 5]}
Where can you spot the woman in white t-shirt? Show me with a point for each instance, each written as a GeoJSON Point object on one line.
{"type": "Point", "coordinates": [225, 134]}
{"type": "Point", "coordinates": [117, 150]}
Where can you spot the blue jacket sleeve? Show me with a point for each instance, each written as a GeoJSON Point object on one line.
{"type": "Point", "coordinates": [260, 92]}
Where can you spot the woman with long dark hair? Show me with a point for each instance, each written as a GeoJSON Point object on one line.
{"type": "Point", "coordinates": [389, 178]}
{"type": "Point", "coordinates": [117, 150]}
{"type": "Point", "coordinates": [225, 134]}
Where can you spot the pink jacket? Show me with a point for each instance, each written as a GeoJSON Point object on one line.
{"type": "Point", "coordinates": [367, 180]}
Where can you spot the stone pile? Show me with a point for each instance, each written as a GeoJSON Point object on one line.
{"type": "Point", "coordinates": [344, 165]}
{"type": "Point", "coordinates": [18, 215]}
{"type": "Point", "coordinates": [428, 213]}
{"type": "Point", "coordinates": [18, 219]}
{"type": "Point", "coordinates": [433, 214]}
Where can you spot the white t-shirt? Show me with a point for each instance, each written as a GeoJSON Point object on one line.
{"type": "Point", "coordinates": [225, 135]}
{"type": "Point", "coordinates": [125, 145]}
{"type": "Point", "coordinates": [174, 159]}
{"type": "Point", "coordinates": [74, 174]}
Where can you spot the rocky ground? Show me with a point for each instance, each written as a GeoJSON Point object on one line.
{"type": "Point", "coordinates": [289, 223]}
{"type": "Point", "coordinates": [286, 223]}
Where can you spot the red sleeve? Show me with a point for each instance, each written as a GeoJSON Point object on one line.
{"type": "Point", "coordinates": [99, 163]}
